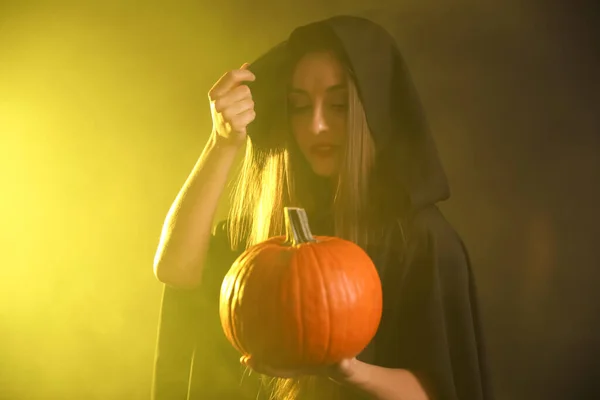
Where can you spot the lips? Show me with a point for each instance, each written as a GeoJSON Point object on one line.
{"type": "Point", "coordinates": [323, 149]}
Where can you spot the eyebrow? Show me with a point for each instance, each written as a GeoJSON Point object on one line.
{"type": "Point", "coordinates": [340, 86]}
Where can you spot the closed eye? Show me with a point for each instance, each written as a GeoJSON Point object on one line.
{"type": "Point", "coordinates": [297, 109]}
{"type": "Point", "coordinates": [341, 107]}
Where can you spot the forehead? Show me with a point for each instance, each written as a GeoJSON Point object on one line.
{"type": "Point", "coordinates": [318, 70]}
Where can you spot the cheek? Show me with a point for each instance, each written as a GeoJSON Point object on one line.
{"type": "Point", "coordinates": [339, 123]}
{"type": "Point", "coordinates": [301, 132]}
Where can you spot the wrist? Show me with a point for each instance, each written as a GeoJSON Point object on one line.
{"type": "Point", "coordinates": [227, 144]}
{"type": "Point", "coordinates": [384, 383]}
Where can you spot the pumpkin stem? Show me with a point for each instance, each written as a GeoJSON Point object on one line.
{"type": "Point", "coordinates": [296, 226]}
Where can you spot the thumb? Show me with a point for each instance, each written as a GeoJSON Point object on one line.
{"type": "Point", "coordinates": [245, 65]}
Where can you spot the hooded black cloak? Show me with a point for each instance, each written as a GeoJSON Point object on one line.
{"type": "Point", "coordinates": [430, 322]}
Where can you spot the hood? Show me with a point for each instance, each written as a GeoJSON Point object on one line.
{"type": "Point", "coordinates": [406, 153]}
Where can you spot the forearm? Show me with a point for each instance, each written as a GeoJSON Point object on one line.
{"type": "Point", "coordinates": [381, 383]}
{"type": "Point", "coordinates": [187, 228]}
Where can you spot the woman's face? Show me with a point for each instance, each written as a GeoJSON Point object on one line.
{"type": "Point", "coordinates": [318, 106]}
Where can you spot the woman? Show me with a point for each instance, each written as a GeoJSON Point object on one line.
{"type": "Point", "coordinates": [334, 127]}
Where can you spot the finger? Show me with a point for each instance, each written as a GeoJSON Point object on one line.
{"type": "Point", "coordinates": [238, 108]}
{"type": "Point", "coordinates": [245, 65]}
{"type": "Point", "coordinates": [346, 370]}
{"type": "Point", "coordinates": [240, 122]}
{"type": "Point", "coordinates": [228, 81]}
{"type": "Point", "coordinates": [239, 93]}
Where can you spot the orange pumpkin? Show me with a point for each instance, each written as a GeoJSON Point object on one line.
{"type": "Point", "coordinates": [301, 301]}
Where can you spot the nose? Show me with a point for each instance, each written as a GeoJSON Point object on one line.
{"type": "Point", "coordinates": [319, 122]}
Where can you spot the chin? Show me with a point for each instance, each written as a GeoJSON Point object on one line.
{"type": "Point", "coordinates": [324, 171]}
{"type": "Point", "coordinates": [324, 175]}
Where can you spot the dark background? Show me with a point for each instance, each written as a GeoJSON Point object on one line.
{"type": "Point", "coordinates": [103, 112]}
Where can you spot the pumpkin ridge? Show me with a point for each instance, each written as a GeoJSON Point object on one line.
{"type": "Point", "coordinates": [327, 304]}
{"type": "Point", "coordinates": [225, 311]}
{"type": "Point", "coordinates": [299, 306]}
{"type": "Point", "coordinates": [275, 273]}
{"type": "Point", "coordinates": [334, 255]}
{"type": "Point", "coordinates": [235, 323]}
{"type": "Point", "coordinates": [358, 288]}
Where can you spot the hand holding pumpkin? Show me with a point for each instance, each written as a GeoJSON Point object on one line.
{"type": "Point", "coordinates": [301, 304]}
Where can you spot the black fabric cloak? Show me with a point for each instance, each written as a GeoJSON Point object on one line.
{"type": "Point", "coordinates": [430, 322]}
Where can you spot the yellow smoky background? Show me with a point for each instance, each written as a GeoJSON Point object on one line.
{"type": "Point", "coordinates": [104, 111]}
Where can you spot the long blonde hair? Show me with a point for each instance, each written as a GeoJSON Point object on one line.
{"type": "Point", "coordinates": [273, 178]}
